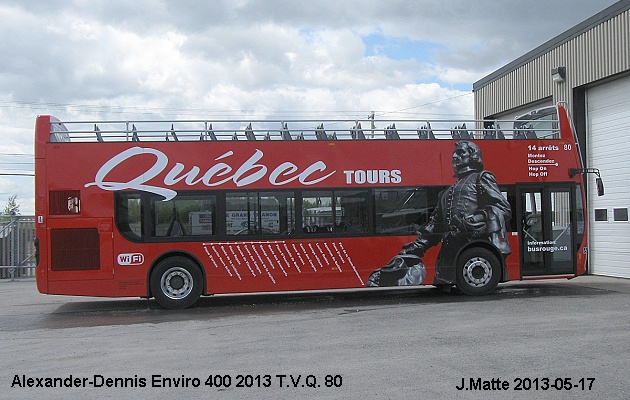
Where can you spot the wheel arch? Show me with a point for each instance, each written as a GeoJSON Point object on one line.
{"type": "Point", "coordinates": [176, 253]}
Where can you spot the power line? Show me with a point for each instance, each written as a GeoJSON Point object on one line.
{"type": "Point", "coordinates": [117, 109]}
{"type": "Point", "coordinates": [425, 104]}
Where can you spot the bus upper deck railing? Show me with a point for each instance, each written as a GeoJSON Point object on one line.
{"type": "Point", "coordinates": [537, 125]}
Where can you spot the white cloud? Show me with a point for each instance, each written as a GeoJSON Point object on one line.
{"type": "Point", "coordinates": [113, 59]}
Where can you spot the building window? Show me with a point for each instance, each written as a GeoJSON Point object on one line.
{"type": "Point", "coordinates": [601, 214]}
{"type": "Point", "coordinates": [620, 214]}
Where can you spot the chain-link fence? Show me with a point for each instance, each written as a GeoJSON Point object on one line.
{"type": "Point", "coordinates": [17, 249]}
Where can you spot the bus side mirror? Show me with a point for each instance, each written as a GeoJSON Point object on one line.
{"type": "Point", "coordinates": [598, 181]}
{"type": "Point", "coordinates": [600, 186]}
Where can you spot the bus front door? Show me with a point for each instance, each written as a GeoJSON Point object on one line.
{"type": "Point", "coordinates": [546, 231]}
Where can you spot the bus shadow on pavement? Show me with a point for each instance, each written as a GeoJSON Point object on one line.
{"type": "Point", "coordinates": [140, 311]}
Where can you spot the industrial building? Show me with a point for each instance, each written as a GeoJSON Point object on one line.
{"type": "Point", "coordinates": [588, 67]}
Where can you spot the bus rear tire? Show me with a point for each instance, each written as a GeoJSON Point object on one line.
{"type": "Point", "coordinates": [478, 271]}
{"type": "Point", "coordinates": [176, 283]}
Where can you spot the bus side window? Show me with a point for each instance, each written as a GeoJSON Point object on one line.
{"type": "Point", "coordinates": [317, 211]}
{"type": "Point", "coordinates": [129, 215]}
{"type": "Point", "coordinates": [352, 211]}
{"type": "Point", "coordinates": [185, 215]}
{"type": "Point", "coordinates": [260, 213]}
{"type": "Point", "coordinates": [510, 195]}
{"type": "Point", "coordinates": [404, 210]}
{"type": "Point", "coordinates": [277, 213]}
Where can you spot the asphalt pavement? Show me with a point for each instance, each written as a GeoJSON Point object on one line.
{"type": "Point", "coordinates": [556, 339]}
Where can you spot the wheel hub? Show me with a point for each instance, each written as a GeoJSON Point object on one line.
{"type": "Point", "coordinates": [176, 283]}
{"type": "Point", "coordinates": [477, 272]}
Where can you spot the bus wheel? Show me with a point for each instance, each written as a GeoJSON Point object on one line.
{"type": "Point", "coordinates": [478, 271]}
{"type": "Point", "coordinates": [176, 282]}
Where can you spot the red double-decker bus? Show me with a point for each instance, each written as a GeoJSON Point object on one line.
{"type": "Point", "coordinates": [176, 210]}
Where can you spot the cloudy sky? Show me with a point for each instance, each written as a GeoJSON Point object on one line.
{"type": "Point", "coordinates": [154, 59]}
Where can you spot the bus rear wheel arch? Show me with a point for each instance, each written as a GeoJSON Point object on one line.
{"type": "Point", "coordinates": [176, 282]}
{"type": "Point", "coordinates": [478, 271]}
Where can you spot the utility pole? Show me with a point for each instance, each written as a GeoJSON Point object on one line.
{"type": "Point", "coordinates": [372, 125]}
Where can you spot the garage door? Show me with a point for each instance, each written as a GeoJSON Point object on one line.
{"type": "Point", "coordinates": [608, 121]}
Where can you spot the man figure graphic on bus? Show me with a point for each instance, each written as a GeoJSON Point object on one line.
{"type": "Point", "coordinates": [473, 208]}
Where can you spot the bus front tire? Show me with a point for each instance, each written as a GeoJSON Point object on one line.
{"type": "Point", "coordinates": [176, 282]}
{"type": "Point", "coordinates": [478, 271]}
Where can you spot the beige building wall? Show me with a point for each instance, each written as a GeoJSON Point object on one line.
{"type": "Point", "coordinates": [594, 50]}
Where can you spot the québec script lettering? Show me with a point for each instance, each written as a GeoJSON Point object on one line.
{"type": "Point", "coordinates": [218, 174]}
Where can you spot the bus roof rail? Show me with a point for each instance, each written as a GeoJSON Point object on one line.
{"type": "Point", "coordinates": [542, 124]}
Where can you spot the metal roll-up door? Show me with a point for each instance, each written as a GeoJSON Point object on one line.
{"type": "Point", "coordinates": [608, 148]}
